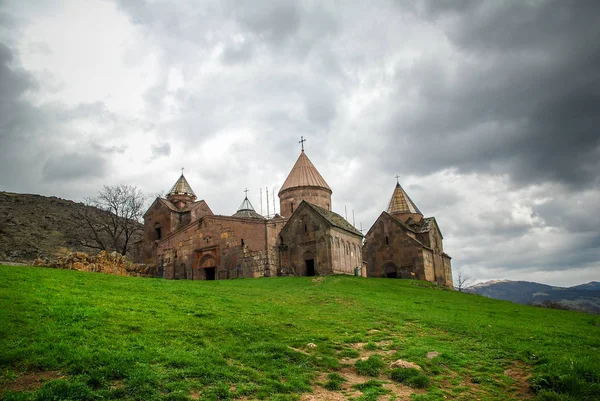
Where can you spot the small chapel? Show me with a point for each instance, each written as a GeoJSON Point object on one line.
{"type": "Point", "coordinates": [186, 240]}
{"type": "Point", "coordinates": [404, 244]}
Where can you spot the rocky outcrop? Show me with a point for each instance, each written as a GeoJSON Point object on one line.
{"type": "Point", "coordinates": [103, 262]}
{"type": "Point", "coordinates": [35, 226]}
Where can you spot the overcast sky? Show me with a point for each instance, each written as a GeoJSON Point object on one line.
{"type": "Point", "coordinates": [489, 111]}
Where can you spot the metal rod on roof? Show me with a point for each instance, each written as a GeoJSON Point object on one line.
{"type": "Point", "coordinates": [353, 223]}
{"type": "Point", "coordinates": [261, 202]}
{"type": "Point", "coordinates": [346, 212]}
{"type": "Point", "coordinates": [267, 192]}
{"type": "Point", "coordinates": [274, 211]}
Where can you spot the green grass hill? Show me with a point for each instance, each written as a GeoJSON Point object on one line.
{"type": "Point", "coordinates": [67, 335]}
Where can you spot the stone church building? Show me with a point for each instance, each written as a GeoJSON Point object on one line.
{"type": "Point", "coordinates": [404, 244]}
{"type": "Point", "coordinates": [187, 240]}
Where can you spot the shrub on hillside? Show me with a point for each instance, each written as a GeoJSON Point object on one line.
{"type": "Point", "coordinates": [552, 305]}
{"type": "Point", "coordinates": [370, 367]}
{"type": "Point", "coordinates": [334, 382]}
{"type": "Point", "coordinates": [410, 377]}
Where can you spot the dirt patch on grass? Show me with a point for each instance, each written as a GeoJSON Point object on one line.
{"type": "Point", "coordinates": [518, 372]}
{"type": "Point", "coordinates": [348, 392]}
{"type": "Point", "coordinates": [365, 354]}
{"type": "Point", "coordinates": [299, 350]}
{"type": "Point", "coordinates": [321, 394]}
{"type": "Point", "coordinates": [398, 390]}
{"type": "Point", "coordinates": [352, 378]}
{"type": "Point", "coordinates": [33, 381]}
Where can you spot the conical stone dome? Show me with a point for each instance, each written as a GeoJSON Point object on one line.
{"type": "Point", "coordinates": [304, 174]}
{"type": "Point", "coordinates": [402, 206]}
{"type": "Point", "coordinates": [304, 183]}
{"type": "Point", "coordinates": [181, 187]}
{"type": "Point", "coordinates": [246, 211]}
{"type": "Point", "coordinates": [181, 193]}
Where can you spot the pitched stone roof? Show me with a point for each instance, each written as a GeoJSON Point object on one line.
{"type": "Point", "coordinates": [304, 174]}
{"type": "Point", "coordinates": [181, 187]}
{"type": "Point", "coordinates": [246, 211]}
{"type": "Point", "coordinates": [401, 202]}
{"type": "Point", "coordinates": [334, 219]}
{"type": "Point", "coordinates": [423, 226]}
{"type": "Point", "coordinates": [172, 207]}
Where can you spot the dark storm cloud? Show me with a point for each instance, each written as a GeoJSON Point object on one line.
{"type": "Point", "coordinates": [74, 166]}
{"type": "Point", "coordinates": [273, 22]}
{"type": "Point", "coordinates": [18, 119]}
{"type": "Point", "coordinates": [31, 145]}
{"type": "Point", "coordinates": [524, 100]}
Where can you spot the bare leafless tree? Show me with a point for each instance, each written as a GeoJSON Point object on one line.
{"type": "Point", "coordinates": [463, 280]}
{"type": "Point", "coordinates": [113, 222]}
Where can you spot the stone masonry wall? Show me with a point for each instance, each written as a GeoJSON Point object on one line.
{"type": "Point", "coordinates": [333, 250]}
{"type": "Point", "coordinates": [316, 196]}
{"type": "Point", "coordinates": [235, 247]}
{"type": "Point", "coordinates": [103, 262]}
{"type": "Point", "coordinates": [346, 251]}
{"type": "Point", "coordinates": [303, 239]}
{"type": "Point", "coordinates": [388, 245]}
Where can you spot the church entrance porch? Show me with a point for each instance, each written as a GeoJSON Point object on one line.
{"type": "Point", "coordinates": [206, 265]}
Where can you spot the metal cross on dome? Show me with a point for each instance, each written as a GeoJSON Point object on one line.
{"type": "Point", "coordinates": [301, 142]}
{"type": "Point", "coordinates": [246, 192]}
{"type": "Point", "coordinates": [398, 178]}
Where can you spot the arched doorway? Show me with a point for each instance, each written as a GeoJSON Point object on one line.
{"type": "Point", "coordinates": [389, 270]}
{"type": "Point", "coordinates": [309, 264]}
{"type": "Point", "coordinates": [206, 269]}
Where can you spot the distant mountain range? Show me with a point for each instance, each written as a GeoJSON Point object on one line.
{"type": "Point", "coordinates": [584, 297]}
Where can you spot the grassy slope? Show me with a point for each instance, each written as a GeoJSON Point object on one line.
{"type": "Point", "coordinates": [150, 339]}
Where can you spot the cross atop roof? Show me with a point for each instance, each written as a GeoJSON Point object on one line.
{"type": "Point", "coordinates": [398, 178]}
{"type": "Point", "coordinates": [301, 142]}
{"type": "Point", "coordinates": [246, 192]}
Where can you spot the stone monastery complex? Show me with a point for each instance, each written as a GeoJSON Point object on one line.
{"type": "Point", "coordinates": [187, 240]}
